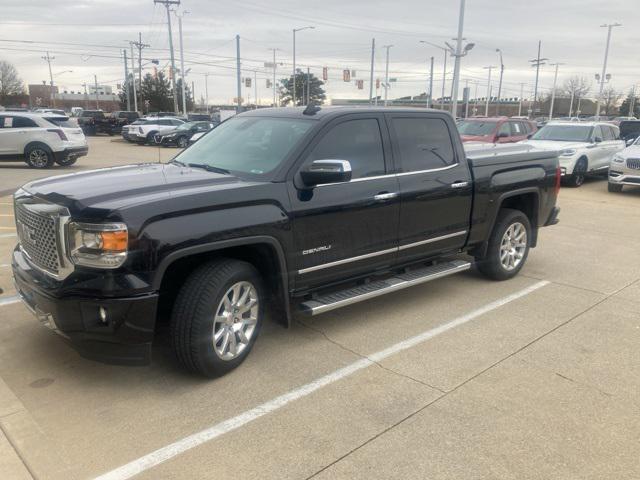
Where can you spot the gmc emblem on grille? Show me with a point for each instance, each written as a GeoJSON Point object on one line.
{"type": "Point", "coordinates": [28, 234]}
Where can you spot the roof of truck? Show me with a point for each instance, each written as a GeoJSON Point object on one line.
{"type": "Point", "coordinates": [322, 112]}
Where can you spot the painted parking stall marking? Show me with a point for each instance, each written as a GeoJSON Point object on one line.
{"type": "Point", "coordinates": [183, 445]}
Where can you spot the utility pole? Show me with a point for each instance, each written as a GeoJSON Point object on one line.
{"type": "Point", "coordinates": [294, 59]}
{"type": "Point", "coordinates": [238, 77]}
{"type": "Point", "coordinates": [126, 79]}
{"type": "Point", "coordinates": [373, 56]}
{"type": "Point", "coordinates": [609, 27]}
{"type": "Point", "coordinates": [206, 91]}
{"type": "Point", "coordinates": [458, 55]}
{"type": "Point", "coordinates": [553, 92]}
{"type": "Point", "coordinates": [444, 79]}
{"type": "Point", "coordinates": [466, 104]}
{"type": "Point", "coordinates": [255, 86]}
{"type": "Point", "coordinates": [521, 97]}
{"type": "Point", "coordinates": [632, 102]}
{"type": "Point", "coordinates": [52, 97]}
{"type": "Point", "coordinates": [184, 95]}
{"type": "Point", "coordinates": [167, 4]}
{"type": "Point", "coordinates": [275, 102]}
{"type": "Point", "coordinates": [430, 97]}
{"type": "Point", "coordinates": [500, 84]}
{"type": "Point", "coordinates": [139, 45]}
{"type": "Point", "coordinates": [95, 78]}
{"type": "Point", "coordinates": [536, 63]}
{"type": "Point", "coordinates": [133, 78]}
{"type": "Point", "coordinates": [486, 108]}
{"type": "Point", "coordinates": [386, 75]}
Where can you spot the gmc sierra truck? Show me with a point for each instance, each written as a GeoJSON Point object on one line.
{"type": "Point", "coordinates": [287, 211]}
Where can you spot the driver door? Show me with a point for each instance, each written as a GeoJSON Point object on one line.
{"type": "Point", "coordinates": [342, 230]}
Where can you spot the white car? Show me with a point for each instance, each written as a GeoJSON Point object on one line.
{"type": "Point", "coordinates": [40, 139]}
{"type": "Point", "coordinates": [625, 167]}
{"type": "Point", "coordinates": [145, 131]}
{"type": "Point", "coordinates": [584, 147]}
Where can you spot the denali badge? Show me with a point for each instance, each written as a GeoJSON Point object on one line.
{"type": "Point", "coordinates": [323, 248]}
{"type": "Point", "coordinates": [28, 234]}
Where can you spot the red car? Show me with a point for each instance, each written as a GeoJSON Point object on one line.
{"type": "Point", "coordinates": [495, 130]}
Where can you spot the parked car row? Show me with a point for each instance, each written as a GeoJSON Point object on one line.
{"type": "Point", "coordinates": [164, 131]}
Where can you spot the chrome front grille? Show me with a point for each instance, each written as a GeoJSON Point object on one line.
{"type": "Point", "coordinates": [633, 163]}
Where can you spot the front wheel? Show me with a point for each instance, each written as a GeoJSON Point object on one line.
{"type": "Point", "coordinates": [38, 156]}
{"type": "Point", "coordinates": [182, 142]}
{"type": "Point", "coordinates": [508, 246]}
{"type": "Point", "coordinates": [217, 316]}
{"type": "Point", "coordinates": [615, 188]}
{"type": "Point", "coordinates": [576, 179]}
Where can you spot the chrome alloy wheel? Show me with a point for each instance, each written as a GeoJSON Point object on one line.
{"type": "Point", "coordinates": [235, 320]}
{"type": "Point", "coordinates": [38, 157]}
{"type": "Point", "coordinates": [513, 246]}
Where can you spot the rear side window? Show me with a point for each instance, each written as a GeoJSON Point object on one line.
{"type": "Point", "coordinates": [359, 142]}
{"type": "Point", "coordinates": [63, 122]}
{"type": "Point", "coordinates": [517, 130]}
{"type": "Point", "coordinates": [23, 122]}
{"type": "Point", "coordinates": [505, 129]}
{"type": "Point", "coordinates": [424, 143]}
{"type": "Point", "coordinates": [6, 122]}
{"type": "Point", "coordinates": [175, 122]}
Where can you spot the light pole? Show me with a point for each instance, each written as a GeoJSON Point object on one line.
{"type": "Point", "coordinates": [609, 27]}
{"type": "Point", "coordinates": [52, 97]}
{"type": "Point", "coordinates": [274, 50]}
{"type": "Point", "coordinates": [602, 82]}
{"type": "Point", "coordinates": [294, 58]}
{"type": "Point", "coordinates": [500, 84]}
{"type": "Point", "coordinates": [459, 53]}
{"type": "Point", "coordinates": [386, 75]}
{"type": "Point", "coordinates": [486, 108]}
{"type": "Point", "coordinates": [536, 63]}
{"type": "Point", "coordinates": [167, 4]}
{"type": "Point", "coordinates": [206, 91]}
{"type": "Point", "coordinates": [444, 71]}
{"type": "Point", "coordinates": [184, 95]}
{"type": "Point", "coordinates": [553, 92]}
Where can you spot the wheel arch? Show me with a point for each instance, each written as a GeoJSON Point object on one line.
{"type": "Point", "coordinates": [37, 143]}
{"type": "Point", "coordinates": [265, 253]}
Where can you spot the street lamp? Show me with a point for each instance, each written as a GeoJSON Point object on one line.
{"type": "Point", "coordinates": [459, 53]}
{"type": "Point", "coordinates": [64, 71]}
{"type": "Point", "coordinates": [184, 97]}
{"type": "Point", "coordinates": [500, 84]}
{"type": "Point", "coordinates": [486, 108]}
{"type": "Point", "coordinates": [294, 58]}
{"type": "Point", "coordinates": [444, 70]}
{"type": "Point", "coordinates": [604, 75]}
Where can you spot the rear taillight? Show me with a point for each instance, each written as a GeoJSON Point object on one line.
{"type": "Point", "coordinates": [558, 178]}
{"type": "Point", "coordinates": [59, 132]}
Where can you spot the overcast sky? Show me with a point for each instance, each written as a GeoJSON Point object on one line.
{"type": "Point", "coordinates": [92, 33]}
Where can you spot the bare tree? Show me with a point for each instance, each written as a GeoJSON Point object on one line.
{"type": "Point", "coordinates": [610, 99]}
{"type": "Point", "coordinates": [10, 82]}
{"type": "Point", "coordinates": [576, 88]}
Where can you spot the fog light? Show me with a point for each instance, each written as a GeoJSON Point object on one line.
{"type": "Point", "coordinates": [102, 313]}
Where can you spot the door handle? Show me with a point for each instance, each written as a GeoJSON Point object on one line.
{"type": "Point", "coordinates": [385, 196]}
{"type": "Point", "coordinates": [459, 184]}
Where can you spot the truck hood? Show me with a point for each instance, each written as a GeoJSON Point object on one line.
{"type": "Point", "coordinates": [553, 145]}
{"type": "Point", "coordinates": [119, 187]}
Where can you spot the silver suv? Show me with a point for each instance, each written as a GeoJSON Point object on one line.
{"type": "Point", "coordinates": [625, 167]}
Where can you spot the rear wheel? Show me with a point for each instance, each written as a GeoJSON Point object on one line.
{"type": "Point", "coordinates": [508, 246]}
{"type": "Point", "coordinates": [217, 316]}
{"type": "Point", "coordinates": [576, 179]}
{"type": "Point", "coordinates": [38, 156]}
{"type": "Point", "coordinates": [67, 161]}
{"type": "Point", "coordinates": [615, 188]}
{"type": "Point", "coordinates": [150, 138]}
{"type": "Point", "coordinates": [182, 142]}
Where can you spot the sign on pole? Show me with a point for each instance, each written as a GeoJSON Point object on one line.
{"type": "Point", "coordinates": [346, 75]}
{"type": "Point", "coordinates": [325, 73]}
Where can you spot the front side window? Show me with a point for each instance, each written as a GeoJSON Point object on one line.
{"type": "Point", "coordinates": [504, 130]}
{"type": "Point", "coordinates": [476, 128]}
{"type": "Point", "coordinates": [252, 145]}
{"type": "Point", "coordinates": [424, 143]}
{"type": "Point", "coordinates": [607, 133]}
{"type": "Point", "coordinates": [23, 122]}
{"type": "Point", "coordinates": [565, 133]}
{"type": "Point", "coordinates": [359, 142]}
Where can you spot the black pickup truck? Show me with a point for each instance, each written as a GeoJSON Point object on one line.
{"type": "Point", "coordinates": [93, 122]}
{"type": "Point", "coordinates": [281, 210]}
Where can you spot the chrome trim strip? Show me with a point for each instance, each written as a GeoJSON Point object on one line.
{"type": "Point", "coordinates": [432, 240]}
{"type": "Point", "coordinates": [381, 252]}
{"type": "Point", "coordinates": [441, 169]}
{"type": "Point", "coordinates": [347, 260]}
{"type": "Point", "coordinates": [401, 174]}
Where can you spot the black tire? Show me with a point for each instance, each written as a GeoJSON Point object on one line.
{"type": "Point", "coordinates": [576, 179]}
{"type": "Point", "coordinates": [491, 265]}
{"type": "Point", "coordinates": [66, 162]}
{"type": "Point", "coordinates": [198, 302]}
{"type": "Point", "coordinates": [150, 139]}
{"type": "Point", "coordinates": [614, 187]}
{"type": "Point", "coordinates": [38, 156]}
{"type": "Point", "coordinates": [182, 142]}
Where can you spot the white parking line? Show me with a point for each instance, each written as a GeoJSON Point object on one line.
{"type": "Point", "coordinates": [9, 300]}
{"type": "Point", "coordinates": [7, 235]}
{"type": "Point", "coordinates": [166, 453]}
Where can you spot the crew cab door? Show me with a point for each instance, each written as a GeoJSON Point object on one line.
{"type": "Point", "coordinates": [601, 150]}
{"type": "Point", "coordinates": [435, 185]}
{"type": "Point", "coordinates": [351, 228]}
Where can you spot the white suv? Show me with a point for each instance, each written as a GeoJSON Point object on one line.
{"type": "Point", "coordinates": [625, 167]}
{"type": "Point", "coordinates": [40, 139]}
{"type": "Point", "coordinates": [145, 132]}
{"type": "Point", "coordinates": [585, 147]}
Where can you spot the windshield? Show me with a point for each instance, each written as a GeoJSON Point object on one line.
{"type": "Point", "coordinates": [255, 145]}
{"type": "Point", "coordinates": [63, 122]}
{"type": "Point", "coordinates": [476, 128]}
{"type": "Point", "coordinates": [186, 126]}
{"type": "Point", "coordinates": [564, 133]}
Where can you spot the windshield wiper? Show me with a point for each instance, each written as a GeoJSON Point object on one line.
{"type": "Point", "coordinates": [209, 168]}
{"type": "Point", "coordinates": [177, 162]}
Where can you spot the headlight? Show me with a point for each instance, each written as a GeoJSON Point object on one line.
{"type": "Point", "coordinates": [140, 130]}
{"type": "Point", "coordinates": [98, 245]}
{"type": "Point", "coordinates": [618, 158]}
{"type": "Point", "coordinates": [567, 152]}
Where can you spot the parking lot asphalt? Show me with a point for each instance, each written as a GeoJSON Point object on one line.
{"type": "Point", "coordinates": [510, 380]}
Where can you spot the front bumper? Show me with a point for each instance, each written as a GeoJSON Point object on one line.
{"type": "Point", "coordinates": [164, 140]}
{"type": "Point", "coordinates": [124, 339]}
{"type": "Point", "coordinates": [624, 176]}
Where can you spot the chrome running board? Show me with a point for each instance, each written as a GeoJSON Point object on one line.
{"type": "Point", "coordinates": [342, 298]}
